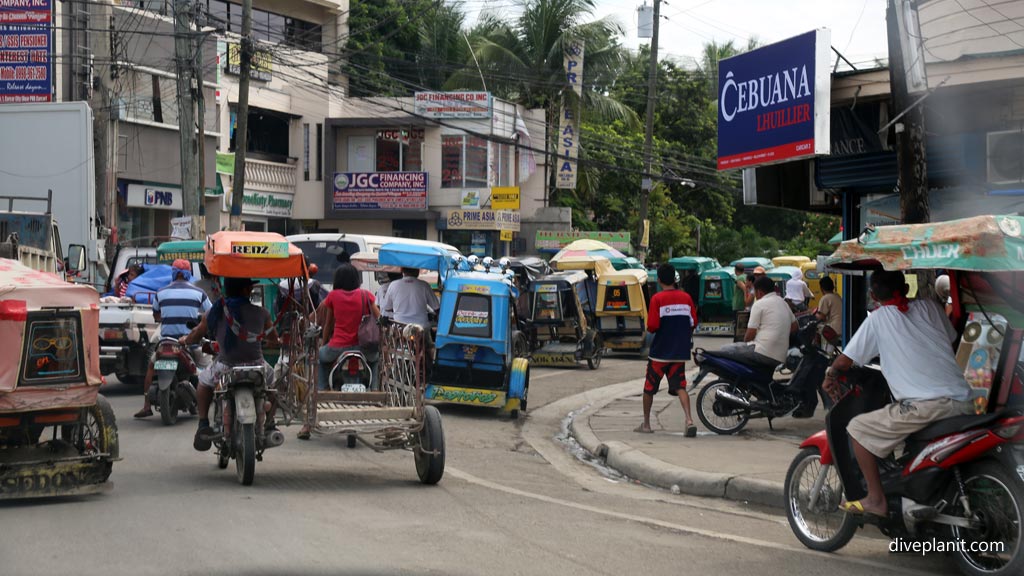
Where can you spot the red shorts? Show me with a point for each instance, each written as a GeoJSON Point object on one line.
{"type": "Point", "coordinates": [674, 371]}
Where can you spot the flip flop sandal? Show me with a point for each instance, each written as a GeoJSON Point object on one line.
{"type": "Point", "coordinates": [691, 432]}
{"type": "Point", "coordinates": [642, 430]}
{"type": "Point", "coordinates": [303, 435]}
{"type": "Point", "coordinates": [143, 413]}
{"type": "Point", "coordinates": [855, 508]}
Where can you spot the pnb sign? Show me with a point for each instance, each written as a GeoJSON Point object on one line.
{"type": "Point", "coordinates": [773, 102]}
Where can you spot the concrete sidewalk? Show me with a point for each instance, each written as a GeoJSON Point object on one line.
{"type": "Point", "coordinates": [748, 466]}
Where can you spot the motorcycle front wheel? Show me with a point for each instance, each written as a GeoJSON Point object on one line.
{"type": "Point", "coordinates": [994, 546]}
{"type": "Point", "coordinates": [718, 416]}
{"type": "Point", "coordinates": [821, 526]}
{"type": "Point", "coordinates": [245, 454]}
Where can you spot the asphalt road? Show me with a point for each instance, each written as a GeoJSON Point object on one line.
{"type": "Point", "coordinates": [513, 501]}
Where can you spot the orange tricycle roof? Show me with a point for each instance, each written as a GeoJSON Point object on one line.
{"type": "Point", "coordinates": [253, 255]}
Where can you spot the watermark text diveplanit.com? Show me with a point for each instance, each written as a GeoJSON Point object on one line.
{"type": "Point", "coordinates": [928, 546]}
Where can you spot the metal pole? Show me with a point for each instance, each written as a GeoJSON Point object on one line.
{"type": "Point", "coordinates": [241, 140]}
{"type": "Point", "coordinates": [652, 98]}
{"type": "Point", "coordinates": [186, 111]}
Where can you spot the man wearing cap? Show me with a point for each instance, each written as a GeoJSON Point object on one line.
{"type": "Point", "coordinates": [175, 306]}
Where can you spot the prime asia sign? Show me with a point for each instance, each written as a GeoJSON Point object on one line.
{"type": "Point", "coordinates": [26, 42]}
{"type": "Point", "coordinates": [773, 102]}
{"type": "Point", "coordinates": [380, 191]}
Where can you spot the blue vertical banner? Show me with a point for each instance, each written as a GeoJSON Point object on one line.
{"type": "Point", "coordinates": [26, 49]}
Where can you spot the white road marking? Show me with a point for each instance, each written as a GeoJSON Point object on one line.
{"type": "Point", "coordinates": [883, 566]}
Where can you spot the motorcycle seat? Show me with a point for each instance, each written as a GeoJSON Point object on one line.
{"type": "Point", "coordinates": [762, 370]}
{"type": "Point", "coordinates": [955, 424]}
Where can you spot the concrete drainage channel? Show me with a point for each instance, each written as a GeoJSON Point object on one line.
{"type": "Point", "coordinates": [617, 461]}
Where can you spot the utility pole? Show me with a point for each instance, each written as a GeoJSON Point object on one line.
{"type": "Point", "coordinates": [241, 139]}
{"type": "Point", "coordinates": [646, 181]}
{"type": "Point", "coordinates": [183, 59]}
{"type": "Point", "coordinates": [199, 221]}
{"type": "Point", "coordinates": [910, 134]}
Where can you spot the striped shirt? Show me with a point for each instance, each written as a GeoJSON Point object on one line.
{"type": "Point", "coordinates": [178, 304]}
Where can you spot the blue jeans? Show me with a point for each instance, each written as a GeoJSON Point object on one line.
{"type": "Point", "coordinates": [330, 355]}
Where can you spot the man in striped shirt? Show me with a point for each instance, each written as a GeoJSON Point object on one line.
{"type": "Point", "coordinates": [176, 306]}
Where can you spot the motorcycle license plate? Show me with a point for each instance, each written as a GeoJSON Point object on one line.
{"type": "Point", "coordinates": [165, 365]}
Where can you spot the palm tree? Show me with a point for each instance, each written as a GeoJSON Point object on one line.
{"type": "Point", "coordinates": [522, 60]}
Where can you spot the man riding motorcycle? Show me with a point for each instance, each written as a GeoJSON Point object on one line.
{"type": "Point", "coordinates": [174, 307]}
{"type": "Point", "coordinates": [239, 327]}
{"type": "Point", "coordinates": [913, 341]}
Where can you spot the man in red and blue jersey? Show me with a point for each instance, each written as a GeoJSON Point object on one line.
{"type": "Point", "coordinates": [672, 319]}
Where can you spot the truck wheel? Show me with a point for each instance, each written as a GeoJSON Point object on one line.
{"type": "Point", "coordinates": [430, 467]}
{"type": "Point", "coordinates": [168, 407]}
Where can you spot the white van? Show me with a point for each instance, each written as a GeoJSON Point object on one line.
{"type": "Point", "coordinates": [323, 249]}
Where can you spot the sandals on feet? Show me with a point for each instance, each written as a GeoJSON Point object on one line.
{"type": "Point", "coordinates": [144, 413]}
{"type": "Point", "coordinates": [691, 431]}
{"type": "Point", "coordinates": [640, 429]}
{"type": "Point", "coordinates": [303, 434]}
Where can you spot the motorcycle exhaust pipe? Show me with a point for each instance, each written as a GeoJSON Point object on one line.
{"type": "Point", "coordinates": [733, 399]}
{"type": "Point", "coordinates": [273, 439]}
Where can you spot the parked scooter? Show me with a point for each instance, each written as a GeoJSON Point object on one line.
{"type": "Point", "coordinates": [176, 374]}
{"type": "Point", "coordinates": [351, 373]}
{"type": "Point", "coordinates": [958, 480]}
{"type": "Point", "coordinates": [744, 391]}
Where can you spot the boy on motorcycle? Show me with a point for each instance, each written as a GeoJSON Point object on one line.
{"type": "Point", "coordinates": [239, 327]}
{"type": "Point", "coordinates": [913, 341]}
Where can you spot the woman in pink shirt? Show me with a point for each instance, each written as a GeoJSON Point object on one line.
{"type": "Point", "coordinates": [344, 308]}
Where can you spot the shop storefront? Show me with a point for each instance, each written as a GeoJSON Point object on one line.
{"type": "Point", "coordinates": [265, 211]}
{"type": "Point", "coordinates": [480, 232]}
{"type": "Point", "coordinates": [146, 209]}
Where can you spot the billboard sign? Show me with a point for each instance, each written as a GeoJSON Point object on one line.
{"type": "Point", "coordinates": [26, 42]}
{"type": "Point", "coordinates": [773, 102]}
{"type": "Point", "coordinates": [555, 240]}
{"type": "Point", "coordinates": [452, 104]}
{"type": "Point", "coordinates": [380, 190]}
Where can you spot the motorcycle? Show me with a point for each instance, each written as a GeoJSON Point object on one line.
{"type": "Point", "coordinates": [176, 373]}
{"type": "Point", "coordinates": [240, 413]}
{"type": "Point", "coordinates": [351, 373]}
{"type": "Point", "coordinates": [958, 480]}
{"type": "Point", "coordinates": [743, 391]}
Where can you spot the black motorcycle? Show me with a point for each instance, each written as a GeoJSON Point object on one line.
{"type": "Point", "coordinates": [175, 373]}
{"type": "Point", "coordinates": [744, 391]}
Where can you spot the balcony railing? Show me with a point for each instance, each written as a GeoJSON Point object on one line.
{"type": "Point", "coordinates": [270, 176]}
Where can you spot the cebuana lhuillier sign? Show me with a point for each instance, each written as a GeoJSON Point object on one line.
{"type": "Point", "coordinates": [773, 102]}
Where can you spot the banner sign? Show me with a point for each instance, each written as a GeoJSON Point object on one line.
{"type": "Point", "coordinates": [380, 190]}
{"type": "Point", "coordinates": [553, 241]}
{"type": "Point", "coordinates": [261, 69]}
{"type": "Point", "coordinates": [773, 102]}
{"type": "Point", "coordinates": [483, 220]}
{"type": "Point", "coordinates": [505, 198]}
{"type": "Point", "coordinates": [26, 42]}
{"type": "Point", "coordinates": [470, 199]}
{"type": "Point", "coordinates": [856, 131]}
{"type": "Point", "coordinates": [568, 126]}
{"type": "Point", "coordinates": [452, 104]}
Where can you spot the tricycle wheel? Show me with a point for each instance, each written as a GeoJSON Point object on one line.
{"type": "Point", "coordinates": [222, 460]}
{"type": "Point", "coordinates": [96, 433]}
{"type": "Point", "coordinates": [168, 407]}
{"type": "Point", "coordinates": [430, 466]}
{"type": "Point", "coordinates": [520, 345]}
{"type": "Point", "coordinates": [351, 441]}
{"type": "Point", "coordinates": [594, 362]}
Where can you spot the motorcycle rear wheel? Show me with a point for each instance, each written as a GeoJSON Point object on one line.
{"type": "Point", "coordinates": [717, 417]}
{"type": "Point", "coordinates": [824, 528]}
{"type": "Point", "coordinates": [168, 405]}
{"type": "Point", "coordinates": [997, 500]}
{"type": "Point", "coordinates": [245, 456]}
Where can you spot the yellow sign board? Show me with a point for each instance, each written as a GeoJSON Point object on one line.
{"type": "Point", "coordinates": [645, 240]}
{"type": "Point", "coordinates": [505, 198]}
{"type": "Point", "coordinates": [506, 235]}
{"type": "Point", "coordinates": [260, 249]}
{"type": "Point", "coordinates": [261, 69]}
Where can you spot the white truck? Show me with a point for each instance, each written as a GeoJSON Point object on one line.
{"type": "Point", "coordinates": [33, 238]}
{"type": "Point", "coordinates": [46, 152]}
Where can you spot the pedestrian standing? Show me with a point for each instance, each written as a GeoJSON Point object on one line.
{"type": "Point", "coordinates": [672, 319]}
{"type": "Point", "coordinates": [830, 307]}
{"type": "Point", "coordinates": [739, 300]}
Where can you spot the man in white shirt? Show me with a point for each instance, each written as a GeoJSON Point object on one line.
{"type": "Point", "coordinates": [771, 322]}
{"type": "Point", "coordinates": [410, 300]}
{"type": "Point", "coordinates": [913, 341]}
{"type": "Point", "coordinates": [382, 290]}
{"type": "Point", "coordinates": [797, 291]}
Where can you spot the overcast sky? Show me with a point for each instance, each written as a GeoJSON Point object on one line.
{"type": "Point", "coordinates": [858, 26]}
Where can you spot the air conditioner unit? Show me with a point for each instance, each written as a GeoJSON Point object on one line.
{"type": "Point", "coordinates": [1005, 151]}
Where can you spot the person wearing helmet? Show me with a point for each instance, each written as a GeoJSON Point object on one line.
{"type": "Point", "coordinates": [175, 306]}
